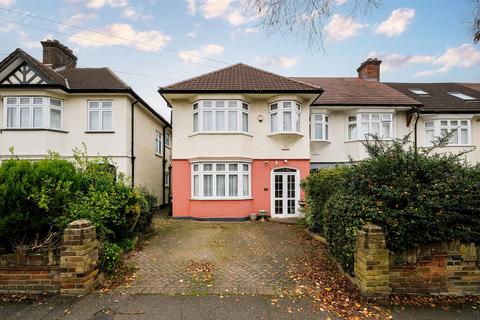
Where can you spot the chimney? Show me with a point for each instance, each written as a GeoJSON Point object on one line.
{"type": "Point", "coordinates": [370, 69]}
{"type": "Point", "coordinates": [58, 56]}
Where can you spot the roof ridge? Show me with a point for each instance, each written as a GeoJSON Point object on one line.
{"type": "Point", "coordinates": [202, 75]}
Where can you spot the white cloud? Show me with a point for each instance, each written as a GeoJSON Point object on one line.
{"type": "Point", "coordinates": [6, 3]}
{"type": "Point", "coordinates": [464, 56]}
{"type": "Point", "coordinates": [240, 31]}
{"type": "Point", "coordinates": [204, 51]}
{"type": "Point", "coordinates": [121, 34]}
{"type": "Point", "coordinates": [26, 42]}
{"type": "Point", "coordinates": [284, 62]}
{"type": "Point", "coordinates": [192, 34]}
{"type": "Point", "coordinates": [395, 61]}
{"type": "Point", "coordinates": [397, 22]}
{"type": "Point", "coordinates": [7, 27]}
{"type": "Point", "coordinates": [77, 19]}
{"type": "Point", "coordinates": [340, 28]}
{"type": "Point", "coordinates": [214, 8]}
{"type": "Point", "coordinates": [340, 2]}
{"type": "Point", "coordinates": [192, 7]}
{"type": "Point", "coordinates": [97, 4]}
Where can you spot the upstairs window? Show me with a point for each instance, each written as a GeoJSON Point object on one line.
{"type": "Point", "coordinates": [364, 126]}
{"type": "Point", "coordinates": [459, 129]}
{"type": "Point", "coordinates": [462, 96]}
{"type": "Point", "coordinates": [220, 116]}
{"type": "Point", "coordinates": [285, 117]}
{"type": "Point", "coordinates": [168, 139]}
{"type": "Point", "coordinates": [419, 92]}
{"type": "Point", "coordinates": [319, 127]}
{"type": "Point", "coordinates": [100, 116]}
{"type": "Point", "coordinates": [33, 113]}
{"type": "Point", "coordinates": [158, 143]}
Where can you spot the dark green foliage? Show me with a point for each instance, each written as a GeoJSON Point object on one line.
{"type": "Point", "coordinates": [144, 222]}
{"type": "Point", "coordinates": [417, 197]}
{"type": "Point", "coordinates": [110, 255]}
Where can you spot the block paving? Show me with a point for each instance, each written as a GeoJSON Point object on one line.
{"type": "Point", "coordinates": [247, 258]}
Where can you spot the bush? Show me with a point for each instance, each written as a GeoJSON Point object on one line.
{"type": "Point", "coordinates": [147, 212]}
{"type": "Point", "coordinates": [319, 186]}
{"type": "Point", "coordinates": [417, 197]}
{"type": "Point", "coordinates": [110, 255]}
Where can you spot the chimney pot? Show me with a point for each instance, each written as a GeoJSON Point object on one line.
{"type": "Point", "coordinates": [370, 69]}
{"type": "Point", "coordinates": [57, 55]}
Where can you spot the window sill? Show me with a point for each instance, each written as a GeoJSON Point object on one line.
{"type": "Point", "coordinates": [159, 155]}
{"type": "Point", "coordinates": [169, 147]}
{"type": "Point", "coordinates": [213, 133]}
{"type": "Point", "coordinates": [366, 140]}
{"type": "Point", "coordinates": [318, 140]}
{"type": "Point", "coordinates": [285, 133]}
{"type": "Point", "coordinates": [34, 129]}
{"type": "Point", "coordinates": [221, 199]}
{"type": "Point", "coordinates": [452, 146]}
{"type": "Point", "coordinates": [100, 131]}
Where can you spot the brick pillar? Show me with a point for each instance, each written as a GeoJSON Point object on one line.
{"type": "Point", "coordinates": [372, 262]}
{"type": "Point", "coordinates": [79, 258]}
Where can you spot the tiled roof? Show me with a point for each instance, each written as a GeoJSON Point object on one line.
{"type": "Point", "coordinates": [240, 78]}
{"type": "Point", "coordinates": [89, 78]}
{"type": "Point", "coordinates": [356, 91]}
{"type": "Point", "coordinates": [438, 100]}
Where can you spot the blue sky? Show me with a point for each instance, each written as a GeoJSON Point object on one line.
{"type": "Point", "coordinates": [418, 40]}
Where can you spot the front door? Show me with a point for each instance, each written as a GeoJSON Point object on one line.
{"type": "Point", "coordinates": [285, 193]}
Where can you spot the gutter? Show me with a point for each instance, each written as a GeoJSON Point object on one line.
{"type": "Point", "coordinates": [132, 142]}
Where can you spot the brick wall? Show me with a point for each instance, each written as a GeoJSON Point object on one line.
{"type": "Point", "coordinates": [442, 268]}
{"type": "Point", "coordinates": [73, 270]}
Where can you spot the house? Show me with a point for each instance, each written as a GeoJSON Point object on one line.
{"type": "Point", "coordinates": [55, 106]}
{"type": "Point", "coordinates": [246, 137]}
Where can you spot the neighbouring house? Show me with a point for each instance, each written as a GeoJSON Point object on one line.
{"type": "Point", "coordinates": [55, 106]}
{"type": "Point", "coordinates": [246, 137]}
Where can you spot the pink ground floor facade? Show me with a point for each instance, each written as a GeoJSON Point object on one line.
{"type": "Point", "coordinates": [274, 186]}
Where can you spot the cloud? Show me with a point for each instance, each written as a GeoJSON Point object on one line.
{"type": "Point", "coordinates": [192, 34]}
{"type": "Point", "coordinates": [6, 3]}
{"type": "Point", "coordinates": [397, 22]}
{"type": "Point", "coordinates": [26, 42]}
{"type": "Point", "coordinates": [204, 51]}
{"type": "Point", "coordinates": [122, 34]}
{"type": "Point", "coordinates": [464, 56]}
{"type": "Point", "coordinates": [284, 62]}
{"type": "Point", "coordinates": [97, 4]}
{"type": "Point", "coordinates": [192, 7]}
{"type": "Point", "coordinates": [340, 2]}
{"type": "Point", "coordinates": [77, 19]}
{"type": "Point", "coordinates": [395, 61]}
{"type": "Point", "coordinates": [7, 27]}
{"type": "Point", "coordinates": [340, 28]}
{"type": "Point", "coordinates": [214, 8]}
{"type": "Point", "coordinates": [241, 31]}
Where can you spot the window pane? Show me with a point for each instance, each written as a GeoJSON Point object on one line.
{"type": "Point", "coordinates": [429, 137]}
{"type": "Point", "coordinates": [245, 122]}
{"type": "Point", "coordinates": [195, 122]}
{"type": "Point", "coordinates": [274, 122]}
{"type": "Point", "coordinates": [245, 167]}
{"type": "Point", "coordinates": [365, 130]}
{"type": "Point", "coordinates": [245, 106]}
{"type": "Point", "coordinates": [318, 118]}
{"type": "Point", "coordinates": [352, 131]}
{"type": "Point", "coordinates": [287, 121]}
{"type": "Point", "coordinates": [429, 124]}
{"type": "Point", "coordinates": [219, 104]}
{"type": "Point", "coordinates": [233, 167]}
{"type": "Point", "coordinates": [11, 100]}
{"type": "Point", "coordinates": [454, 123]}
{"type": "Point", "coordinates": [232, 120]}
{"type": "Point", "coordinates": [207, 120]}
{"type": "Point", "coordinates": [11, 117]}
{"type": "Point", "coordinates": [37, 100]}
{"type": "Point", "coordinates": [24, 117]}
{"type": "Point", "coordinates": [375, 117]}
{"type": "Point", "coordinates": [220, 185]}
{"type": "Point", "coordinates": [195, 186]}
{"type": "Point", "coordinates": [208, 167]}
{"type": "Point", "coordinates": [274, 107]}
{"type": "Point", "coordinates": [195, 106]}
{"type": "Point", "coordinates": [365, 117]}
{"type": "Point", "coordinates": [56, 102]}
{"type": "Point", "coordinates": [208, 185]}
{"type": "Point", "coordinates": [94, 120]}
{"type": "Point", "coordinates": [38, 117]}
{"type": "Point", "coordinates": [297, 122]}
{"type": "Point", "coordinates": [287, 105]}
{"type": "Point", "coordinates": [386, 130]}
{"type": "Point", "coordinates": [326, 131]}
{"type": "Point", "coordinates": [207, 104]}
{"type": "Point", "coordinates": [352, 118]}
{"type": "Point", "coordinates": [94, 104]}
{"type": "Point", "coordinates": [376, 129]}
{"type": "Point", "coordinates": [24, 100]}
{"type": "Point", "coordinates": [220, 167]}
{"type": "Point", "coordinates": [464, 136]}
{"type": "Point", "coordinates": [246, 190]}
{"type": "Point", "coordinates": [232, 104]}
{"type": "Point", "coordinates": [195, 167]}
{"type": "Point", "coordinates": [464, 123]}
{"type": "Point", "coordinates": [107, 120]}
{"type": "Point", "coordinates": [318, 131]}
{"type": "Point", "coordinates": [220, 120]}
{"type": "Point", "coordinates": [454, 136]}
{"type": "Point", "coordinates": [233, 185]}
{"type": "Point", "coordinates": [55, 119]}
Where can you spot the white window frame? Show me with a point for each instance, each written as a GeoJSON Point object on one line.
{"type": "Point", "coordinates": [198, 169]}
{"type": "Point", "coordinates": [168, 139]}
{"type": "Point", "coordinates": [214, 107]}
{"type": "Point", "coordinates": [359, 120]}
{"type": "Point", "coordinates": [167, 179]}
{"type": "Point", "coordinates": [278, 109]}
{"type": "Point", "coordinates": [438, 125]}
{"type": "Point", "coordinates": [462, 96]}
{"type": "Point", "coordinates": [324, 125]}
{"type": "Point", "coordinates": [46, 104]}
{"type": "Point", "coordinates": [101, 109]}
{"type": "Point", "coordinates": [158, 143]}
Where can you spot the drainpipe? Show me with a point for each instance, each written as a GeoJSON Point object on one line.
{"type": "Point", "coordinates": [415, 143]}
{"type": "Point", "coordinates": [132, 144]}
{"type": "Point", "coordinates": [164, 162]}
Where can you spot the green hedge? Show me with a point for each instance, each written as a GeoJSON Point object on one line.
{"type": "Point", "coordinates": [41, 197]}
{"type": "Point", "coordinates": [417, 197]}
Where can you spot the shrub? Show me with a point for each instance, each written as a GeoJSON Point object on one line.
{"type": "Point", "coordinates": [319, 186]}
{"type": "Point", "coordinates": [110, 255]}
{"type": "Point", "coordinates": [147, 212]}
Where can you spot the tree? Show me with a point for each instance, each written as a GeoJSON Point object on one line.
{"type": "Point", "coordinates": [307, 18]}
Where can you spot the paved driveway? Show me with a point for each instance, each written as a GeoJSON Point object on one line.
{"type": "Point", "coordinates": [188, 257]}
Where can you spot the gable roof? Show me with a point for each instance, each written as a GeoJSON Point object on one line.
{"type": "Point", "coordinates": [438, 99]}
{"type": "Point", "coordinates": [357, 92]}
{"type": "Point", "coordinates": [240, 78]}
{"type": "Point", "coordinates": [75, 80]}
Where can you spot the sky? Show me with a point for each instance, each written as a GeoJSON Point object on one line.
{"type": "Point", "coordinates": [153, 43]}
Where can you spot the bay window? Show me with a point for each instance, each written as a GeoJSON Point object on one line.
{"type": "Point", "coordinates": [220, 116]}
{"type": "Point", "coordinates": [319, 127]}
{"type": "Point", "coordinates": [220, 180]}
{"type": "Point", "coordinates": [100, 116]}
{"type": "Point", "coordinates": [458, 129]}
{"type": "Point", "coordinates": [285, 117]}
{"type": "Point", "coordinates": [33, 113]}
{"type": "Point", "coordinates": [363, 126]}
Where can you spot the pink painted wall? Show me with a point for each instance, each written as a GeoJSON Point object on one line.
{"type": "Point", "coordinates": [184, 206]}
